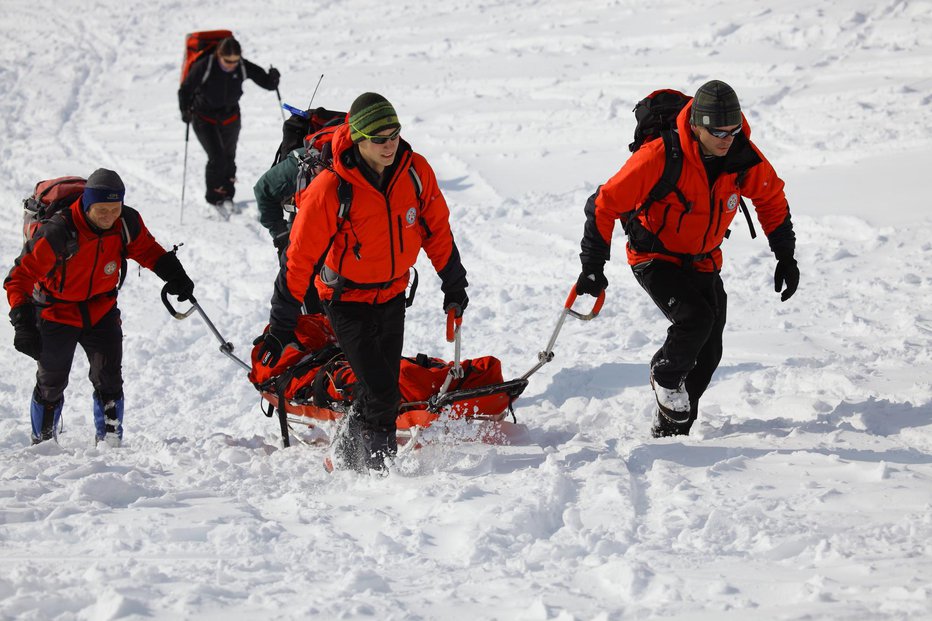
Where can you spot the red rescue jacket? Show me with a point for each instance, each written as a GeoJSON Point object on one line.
{"type": "Point", "coordinates": [79, 289]}
{"type": "Point", "coordinates": [380, 239]}
{"type": "Point", "coordinates": [696, 229]}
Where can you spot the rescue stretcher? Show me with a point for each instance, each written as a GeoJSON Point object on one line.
{"type": "Point", "coordinates": [484, 401]}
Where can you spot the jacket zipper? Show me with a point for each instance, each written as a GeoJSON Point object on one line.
{"type": "Point", "coordinates": [391, 236]}
{"type": "Point", "coordinates": [343, 254]}
{"type": "Point", "coordinates": [401, 239]}
{"type": "Point", "coordinates": [90, 281]}
{"type": "Point", "coordinates": [705, 236]}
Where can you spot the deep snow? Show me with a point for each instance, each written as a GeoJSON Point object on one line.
{"type": "Point", "coordinates": [804, 491]}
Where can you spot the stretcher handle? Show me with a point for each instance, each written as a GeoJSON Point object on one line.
{"type": "Point", "coordinates": [453, 336]}
{"type": "Point", "coordinates": [453, 325]}
{"type": "Point", "coordinates": [547, 355]}
{"type": "Point", "coordinates": [226, 347]}
{"type": "Point", "coordinates": [171, 309]}
{"type": "Point", "coordinates": [596, 308]}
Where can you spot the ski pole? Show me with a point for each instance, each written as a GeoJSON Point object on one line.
{"type": "Point", "coordinates": [226, 347]}
{"type": "Point", "coordinates": [280, 103]}
{"type": "Point", "coordinates": [547, 355]}
{"type": "Point", "coordinates": [314, 94]}
{"type": "Point", "coordinates": [184, 174]}
{"type": "Point", "coordinates": [279, 95]}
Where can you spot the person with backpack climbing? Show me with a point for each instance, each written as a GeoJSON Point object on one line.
{"type": "Point", "coordinates": [675, 228]}
{"type": "Point", "coordinates": [366, 219]}
{"type": "Point", "coordinates": [62, 292]}
{"type": "Point", "coordinates": [303, 153]}
{"type": "Point", "coordinates": [209, 99]}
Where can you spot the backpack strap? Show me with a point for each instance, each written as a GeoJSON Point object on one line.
{"type": "Point", "coordinates": [126, 238]}
{"type": "Point", "coordinates": [210, 63]}
{"type": "Point", "coordinates": [418, 186]}
{"type": "Point", "coordinates": [639, 237]}
{"type": "Point", "coordinates": [672, 168]}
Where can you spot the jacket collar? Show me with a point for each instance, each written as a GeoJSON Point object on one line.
{"type": "Point", "coordinates": [347, 166]}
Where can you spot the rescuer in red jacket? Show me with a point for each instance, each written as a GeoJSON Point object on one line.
{"type": "Point", "coordinates": [674, 245]}
{"type": "Point", "coordinates": [393, 209]}
{"type": "Point", "coordinates": [62, 292]}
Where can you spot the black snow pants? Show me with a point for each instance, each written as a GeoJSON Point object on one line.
{"type": "Point", "coordinates": [219, 138]}
{"type": "Point", "coordinates": [103, 345]}
{"type": "Point", "coordinates": [695, 303]}
{"type": "Point", "coordinates": [372, 337]}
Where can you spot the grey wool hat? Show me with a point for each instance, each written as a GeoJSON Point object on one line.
{"type": "Point", "coordinates": [370, 114]}
{"type": "Point", "coordinates": [715, 105]}
{"type": "Point", "coordinates": [103, 186]}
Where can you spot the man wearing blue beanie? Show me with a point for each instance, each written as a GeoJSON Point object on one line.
{"type": "Point", "coordinates": [63, 292]}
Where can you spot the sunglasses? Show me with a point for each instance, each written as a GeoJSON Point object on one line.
{"type": "Point", "coordinates": [379, 139]}
{"type": "Point", "coordinates": [724, 133]}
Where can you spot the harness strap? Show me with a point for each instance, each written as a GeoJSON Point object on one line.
{"type": "Point", "coordinates": [642, 240]}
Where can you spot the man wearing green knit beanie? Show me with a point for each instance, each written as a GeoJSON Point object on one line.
{"type": "Point", "coordinates": [360, 226]}
{"type": "Point", "coordinates": [370, 114]}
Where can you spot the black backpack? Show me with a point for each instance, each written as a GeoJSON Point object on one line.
{"type": "Point", "coordinates": [302, 123]}
{"type": "Point", "coordinates": [656, 118]}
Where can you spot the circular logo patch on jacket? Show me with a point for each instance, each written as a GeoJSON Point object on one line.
{"type": "Point", "coordinates": [732, 202]}
{"type": "Point", "coordinates": [110, 268]}
{"type": "Point", "coordinates": [411, 216]}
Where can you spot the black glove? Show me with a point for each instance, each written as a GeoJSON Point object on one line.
{"type": "Point", "coordinates": [272, 343]}
{"type": "Point", "coordinates": [457, 300]}
{"type": "Point", "coordinates": [274, 77]}
{"type": "Point", "coordinates": [26, 338]}
{"type": "Point", "coordinates": [169, 269]}
{"type": "Point", "coordinates": [187, 115]}
{"type": "Point", "coordinates": [281, 241]}
{"type": "Point", "coordinates": [786, 272]}
{"type": "Point", "coordinates": [591, 280]}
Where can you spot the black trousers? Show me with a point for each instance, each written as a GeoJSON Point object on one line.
{"type": "Point", "coordinates": [103, 345]}
{"type": "Point", "coordinates": [372, 336]}
{"type": "Point", "coordinates": [695, 303]}
{"type": "Point", "coordinates": [219, 141]}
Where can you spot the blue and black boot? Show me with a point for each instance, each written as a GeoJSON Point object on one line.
{"type": "Point", "coordinates": [46, 417]}
{"type": "Point", "coordinates": [108, 419]}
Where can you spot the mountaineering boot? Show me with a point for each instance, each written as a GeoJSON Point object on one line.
{"type": "Point", "coordinates": [346, 450]}
{"type": "Point", "coordinates": [108, 419]}
{"type": "Point", "coordinates": [379, 445]}
{"type": "Point", "coordinates": [663, 427]}
{"type": "Point", "coordinates": [673, 403]}
{"type": "Point", "coordinates": [45, 419]}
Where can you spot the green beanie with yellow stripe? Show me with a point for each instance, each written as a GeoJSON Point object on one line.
{"type": "Point", "coordinates": [370, 114]}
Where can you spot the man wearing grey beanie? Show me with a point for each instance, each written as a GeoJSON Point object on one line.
{"type": "Point", "coordinates": [675, 237]}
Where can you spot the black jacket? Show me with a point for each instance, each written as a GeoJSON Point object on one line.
{"type": "Point", "coordinates": [210, 91]}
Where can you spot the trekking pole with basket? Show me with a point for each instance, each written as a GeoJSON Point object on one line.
{"type": "Point", "coordinates": [184, 173]}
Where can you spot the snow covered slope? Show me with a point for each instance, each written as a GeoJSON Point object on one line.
{"type": "Point", "coordinates": [805, 489]}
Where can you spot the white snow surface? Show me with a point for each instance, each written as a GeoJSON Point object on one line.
{"type": "Point", "coordinates": [805, 489]}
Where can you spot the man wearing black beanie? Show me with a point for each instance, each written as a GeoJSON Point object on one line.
{"type": "Point", "coordinates": [62, 292]}
{"type": "Point", "coordinates": [674, 240]}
